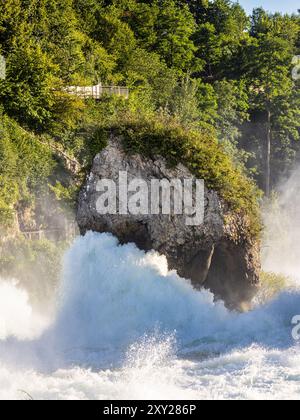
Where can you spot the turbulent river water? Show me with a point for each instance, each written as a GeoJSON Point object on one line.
{"type": "Point", "coordinates": [127, 328]}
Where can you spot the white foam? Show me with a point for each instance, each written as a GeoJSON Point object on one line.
{"type": "Point", "coordinates": [127, 328]}
{"type": "Point", "coordinates": [16, 314]}
{"type": "Point", "coordinates": [111, 295]}
{"type": "Point", "coordinates": [155, 373]}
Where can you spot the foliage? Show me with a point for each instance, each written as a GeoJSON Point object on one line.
{"type": "Point", "coordinates": [271, 285]}
{"type": "Point", "coordinates": [214, 73]}
{"type": "Point", "coordinates": [273, 95]}
{"type": "Point", "coordinates": [24, 165]}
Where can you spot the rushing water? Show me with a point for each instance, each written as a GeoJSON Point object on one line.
{"type": "Point", "coordinates": [127, 328]}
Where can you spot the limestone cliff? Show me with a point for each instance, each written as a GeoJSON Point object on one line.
{"type": "Point", "coordinates": [218, 255]}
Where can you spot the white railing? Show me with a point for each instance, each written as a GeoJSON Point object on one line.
{"type": "Point", "coordinates": [97, 91]}
{"type": "Point", "coordinates": [69, 232]}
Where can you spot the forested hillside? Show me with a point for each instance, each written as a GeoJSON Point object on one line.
{"type": "Point", "coordinates": [197, 66]}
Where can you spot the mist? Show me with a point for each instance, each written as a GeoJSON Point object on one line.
{"type": "Point", "coordinates": [281, 216]}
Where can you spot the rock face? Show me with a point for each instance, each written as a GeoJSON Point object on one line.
{"type": "Point", "coordinates": [216, 255]}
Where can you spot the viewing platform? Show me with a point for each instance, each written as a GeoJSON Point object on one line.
{"type": "Point", "coordinates": [96, 92]}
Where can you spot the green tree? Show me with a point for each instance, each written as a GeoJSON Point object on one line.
{"type": "Point", "coordinates": [273, 93]}
{"type": "Point", "coordinates": [146, 73]}
{"type": "Point", "coordinates": [28, 90]}
{"type": "Point", "coordinates": [114, 34]}
{"type": "Point", "coordinates": [232, 109]}
{"type": "Point", "coordinates": [143, 20]}
{"type": "Point", "coordinates": [175, 28]}
{"type": "Point", "coordinates": [184, 102]}
{"type": "Point", "coordinates": [222, 29]}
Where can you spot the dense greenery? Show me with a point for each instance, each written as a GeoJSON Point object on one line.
{"type": "Point", "coordinates": [208, 85]}
{"type": "Point", "coordinates": [25, 163]}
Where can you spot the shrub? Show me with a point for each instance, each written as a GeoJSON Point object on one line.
{"type": "Point", "coordinates": [271, 285]}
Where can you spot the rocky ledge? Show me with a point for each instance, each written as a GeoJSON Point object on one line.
{"type": "Point", "coordinates": [218, 255]}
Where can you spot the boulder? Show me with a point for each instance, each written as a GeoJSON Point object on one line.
{"type": "Point", "coordinates": [218, 254]}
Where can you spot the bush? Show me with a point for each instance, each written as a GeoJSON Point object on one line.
{"type": "Point", "coordinates": [271, 285]}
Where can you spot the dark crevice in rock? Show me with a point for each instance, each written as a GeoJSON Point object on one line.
{"type": "Point", "coordinates": [229, 277]}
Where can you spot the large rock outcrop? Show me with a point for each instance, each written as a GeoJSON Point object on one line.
{"type": "Point", "coordinates": [218, 255]}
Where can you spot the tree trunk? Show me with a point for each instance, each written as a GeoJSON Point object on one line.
{"type": "Point", "coordinates": [268, 157]}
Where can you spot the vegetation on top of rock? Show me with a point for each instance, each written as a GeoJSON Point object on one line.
{"type": "Point", "coordinates": [202, 154]}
